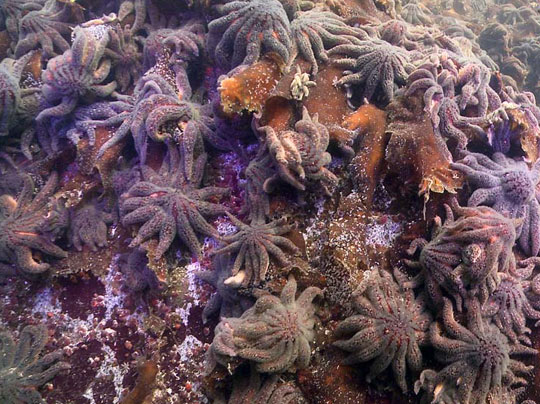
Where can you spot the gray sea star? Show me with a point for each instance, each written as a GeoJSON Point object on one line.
{"type": "Point", "coordinates": [415, 13]}
{"type": "Point", "coordinates": [374, 64]}
{"type": "Point", "coordinates": [22, 370]}
{"type": "Point", "coordinates": [275, 333]}
{"type": "Point", "coordinates": [252, 243]}
{"type": "Point", "coordinates": [509, 186]}
{"type": "Point", "coordinates": [390, 327]}
{"type": "Point", "coordinates": [89, 227]}
{"type": "Point", "coordinates": [169, 203]}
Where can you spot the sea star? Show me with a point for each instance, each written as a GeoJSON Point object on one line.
{"type": "Point", "coordinates": [89, 227]}
{"type": "Point", "coordinates": [477, 358]}
{"type": "Point", "coordinates": [415, 13]}
{"type": "Point", "coordinates": [390, 327]}
{"type": "Point", "coordinates": [247, 30]}
{"type": "Point", "coordinates": [474, 79]}
{"type": "Point", "coordinates": [24, 224]}
{"type": "Point", "coordinates": [252, 243]}
{"type": "Point", "coordinates": [169, 203]}
{"type": "Point", "coordinates": [509, 186]}
{"type": "Point", "coordinates": [374, 64]}
{"type": "Point", "coordinates": [13, 10]}
{"type": "Point", "coordinates": [275, 333]}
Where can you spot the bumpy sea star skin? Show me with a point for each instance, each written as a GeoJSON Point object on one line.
{"type": "Point", "coordinates": [509, 186]}
{"type": "Point", "coordinates": [475, 90]}
{"type": "Point", "coordinates": [169, 203]}
{"type": "Point", "coordinates": [227, 301]}
{"type": "Point", "coordinates": [509, 306]}
{"type": "Point", "coordinates": [477, 358]}
{"type": "Point", "coordinates": [78, 71]}
{"type": "Point", "coordinates": [275, 333]}
{"type": "Point", "coordinates": [415, 13]}
{"type": "Point", "coordinates": [300, 155]}
{"type": "Point", "coordinates": [10, 92]}
{"type": "Point", "coordinates": [22, 370]}
{"type": "Point", "coordinates": [390, 327]}
{"type": "Point", "coordinates": [13, 10]}
{"type": "Point", "coordinates": [465, 256]}
{"type": "Point", "coordinates": [251, 244]}
{"type": "Point", "coordinates": [248, 30]}
{"type": "Point", "coordinates": [23, 224]}
{"type": "Point", "coordinates": [45, 28]}
{"type": "Point", "coordinates": [253, 388]}
{"type": "Point", "coordinates": [316, 31]}
{"type": "Point", "coordinates": [374, 64]}
{"type": "Point", "coordinates": [88, 227]}
{"type": "Point", "coordinates": [125, 55]}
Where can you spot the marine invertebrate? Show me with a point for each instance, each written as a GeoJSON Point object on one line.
{"type": "Point", "coordinates": [88, 226]}
{"type": "Point", "coordinates": [509, 305]}
{"type": "Point", "coordinates": [415, 13]}
{"type": "Point", "coordinates": [11, 93]}
{"type": "Point", "coordinates": [24, 224]}
{"type": "Point", "coordinates": [475, 89]}
{"type": "Point", "coordinates": [315, 31]}
{"type": "Point", "coordinates": [275, 333]}
{"type": "Point", "coordinates": [299, 155]}
{"type": "Point", "coordinates": [389, 327]}
{"type": "Point", "coordinates": [374, 64]}
{"type": "Point", "coordinates": [13, 10]}
{"type": "Point", "coordinates": [509, 187]}
{"type": "Point", "coordinates": [45, 27]}
{"type": "Point", "coordinates": [251, 244]}
{"type": "Point", "coordinates": [509, 14]}
{"type": "Point", "coordinates": [247, 30]}
{"type": "Point", "coordinates": [169, 203]}
{"type": "Point", "coordinates": [300, 85]}
{"type": "Point", "coordinates": [227, 301]}
{"type": "Point", "coordinates": [126, 58]}
{"type": "Point", "coordinates": [23, 369]}
{"type": "Point", "coordinates": [466, 255]}
{"type": "Point", "coordinates": [78, 71]}
{"type": "Point", "coordinates": [478, 359]}
{"type": "Point", "coordinates": [138, 277]}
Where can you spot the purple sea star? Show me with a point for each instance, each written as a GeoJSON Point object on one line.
{"type": "Point", "coordinates": [390, 327]}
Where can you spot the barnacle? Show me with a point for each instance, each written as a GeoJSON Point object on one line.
{"type": "Point", "coordinates": [464, 256]}
{"type": "Point", "coordinates": [45, 27]}
{"type": "Point", "coordinates": [374, 64]}
{"type": "Point", "coordinates": [316, 31]}
{"type": "Point", "coordinates": [170, 203]}
{"type": "Point", "coordinates": [78, 71]}
{"type": "Point", "coordinates": [23, 369]}
{"type": "Point", "coordinates": [300, 155]}
{"type": "Point", "coordinates": [252, 243]}
{"type": "Point", "coordinates": [300, 85]}
{"type": "Point", "coordinates": [390, 327]}
{"type": "Point", "coordinates": [89, 227]}
{"type": "Point", "coordinates": [478, 359]}
{"type": "Point", "coordinates": [247, 30]}
{"type": "Point", "coordinates": [24, 224]}
{"type": "Point", "coordinates": [509, 186]}
{"type": "Point", "coordinates": [275, 333]}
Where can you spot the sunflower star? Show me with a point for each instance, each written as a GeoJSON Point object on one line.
{"type": "Point", "coordinates": [478, 359]}
{"type": "Point", "coordinates": [78, 71]}
{"type": "Point", "coordinates": [374, 64]}
{"type": "Point", "coordinates": [89, 227]}
{"type": "Point", "coordinates": [390, 326]}
{"type": "Point", "coordinates": [22, 370]}
{"type": "Point", "coordinates": [251, 244]}
{"type": "Point", "coordinates": [473, 79]}
{"type": "Point", "coordinates": [316, 31]}
{"type": "Point", "coordinates": [415, 13]}
{"type": "Point", "coordinates": [275, 333]}
{"type": "Point", "coordinates": [13, 10]}
{"type": "Point", "coordinates": [247, 30]}
{"type": "Point", "coordinates": [169, 203]}
{"type": "Point", "coordinates": [300, 155]}
{"type": "Point", "coordinates": [466, 255]}
{"type": "Point", "coordinates": [509, 187]}
{"type": "Point", "coordinates": [23, 226]}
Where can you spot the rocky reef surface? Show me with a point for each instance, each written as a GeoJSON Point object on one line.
{"type": "Point", "coordinates": [271, 201]}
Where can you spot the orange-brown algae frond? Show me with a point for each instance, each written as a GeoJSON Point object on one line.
{"type": "Point", "coordinates": [144, 384]}
{"type": "Point", "coordinates": [249, 89]}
